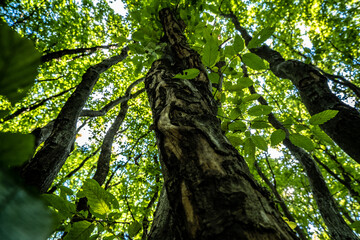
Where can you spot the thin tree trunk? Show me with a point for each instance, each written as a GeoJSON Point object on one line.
{"type": "Point", "coordinates": [57, 55]}
{"type": "Point", "coordinates": [328, 208]}
{"type": "Point", "coordinates": [41, 171]}
{"type": "Point", "coordinates": [210, 192]}
{"type": "Point", "coordinates": [315, 94]}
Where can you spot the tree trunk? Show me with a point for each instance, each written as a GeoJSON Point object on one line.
{"type": "Point", "coordinates": [210, 192]}
{"type": "Point", "coordinates": [315, 94]}
{"type": "Point", "coordinates": [328, 208]}
{"type": "Point", "coordinates": [41, 171]}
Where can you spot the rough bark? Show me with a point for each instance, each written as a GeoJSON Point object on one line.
{"type": "Point", "coordinates": [210, 192]}
{"type": "Point", "coordinates": [315, 94]}
{"type": "Point", "coordinates": [45, 165]}
{"type": "Point", "coordinates": [328, 208]}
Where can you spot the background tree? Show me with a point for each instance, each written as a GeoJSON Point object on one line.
{"type": "Point", "coordinates": [79, 41]}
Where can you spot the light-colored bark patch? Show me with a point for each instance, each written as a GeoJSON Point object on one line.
{"type": "Point", "coordinates": [193, 223]}
{"type": "Point", "coordinates": [209, 160]}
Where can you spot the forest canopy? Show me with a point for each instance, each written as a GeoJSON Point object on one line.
{"type": "Point", "coordinates": [231, 119]}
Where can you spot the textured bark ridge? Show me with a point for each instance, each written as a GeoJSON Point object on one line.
{"type": "Point", "coordinates": [315, 94]}
{"type": "Point", "coordinates": [210, 192]}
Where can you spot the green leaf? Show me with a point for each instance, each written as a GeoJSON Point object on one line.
{"type": "Point", "coordinates": [229, 51]}
{"type": "Point", "coordinates": [65, 208]}
{"type": "Point", "coordinates": [237, 126]}
{"type": "Point", "coordinates": [277, 137]}
{"type": "Point", "coordinates": [261, 37]}
{"type": "Point", "coordinates": [259, 123]}
{"type": "Point", "coordinates": [355, 225]}
{"type": "Point", "coordinates": [259, 142]}
{"type": "Point", "coordinates": [97, 198]}
{"type": "Point", "coordinates": [16, 148]}
{"type": "Point", "coordinates": [138, 35]}
{"type": "Point", "coordinates": [260, 110]}
{"type": "Point", "coordinates": [80, 231]}
{"type": "Point", "coordinates": [18, 64]}
{"type": "Point", "coordinates": [211, 53]}
{"type": "Point", "coordinates": [235, 113]}
{"type": "Point", "coordinates": [253, 61]}
{"type": "Point", "coordinates": [234, 139]}
{"type": "Point", "coordinates": [321, 135]}
{"type": "Point", "coordinates": [134, 229]}
{"type": "Point", "coordinates": [190, 73]}
{"type": "Point", "coordinates": [244, 82]}
{"type": "Point", "coordinates": [302, 141]}
{"type": "Point", "coordinates": [214, 77]}
{"type": "Point", "coordinates": [292, 225]}
{"type": "Point", "coordinates": [251, 97]}
{"type": "Point", "coordinates": [239, 43]}
{"type": "Point", "coordinates": [22, 215]}
{"type": "Point", "coordinates": [323, 117]}
{"type": "Point", "coordinates": [249, 149]}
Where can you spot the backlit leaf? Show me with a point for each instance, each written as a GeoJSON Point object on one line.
{"type": "Point", "coordinates": [277, 137]}
{"type": "Point", "coordinates": [211, 53]}
{"type": "Point", "coordinates": [190, 73]}
{"type": "Point", "coordinates": [323, 117]}
{"type": "Point", "coordinates": [239, 43]}
{"type": "Point", "coordinates": [80, 231]}
{"type": "Point", "coordinates": [260, 110]}
{"type": "Point", "coordinates": [302, 141]}
{"type": "Point", "coordinates": [253, 61]}
{"type": "Point", "coordinates": [261, 37]}
{"type": "Point", "coordinates": [259, 142]}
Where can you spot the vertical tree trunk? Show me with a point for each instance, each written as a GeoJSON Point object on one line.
{"type": "Point", "coordinates": [210, 191]}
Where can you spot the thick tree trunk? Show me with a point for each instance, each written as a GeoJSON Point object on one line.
{"type": "Point", "coordinates": [315, 94]}
{"type": "Point", "coordinates": [41, 171]}
{"type": "Point", "coordinates": [210, 191]}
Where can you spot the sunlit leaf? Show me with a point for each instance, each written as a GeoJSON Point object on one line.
{"type": "Point", "coordinates": [323, 117]}
{"type": "Point", "coordinates": [277, 137]}
{"type": "Point", "coordinates": [188, 73]}
{"type": "Point", "coordinates": [134, 228]}
{"type": "Point", "coordinates": [211, 53]}
{"type": "Point", "coordinates": [237, 126]}
{"type": "Point", "coordinates": [260, 110]}
{"type": "Point", "coordinates": [302, 141]}
{"type": "Point", "coordinates": [259, 142]}
{"type": "Point", "coordinates": [261, 37]}
{"type": "Point", "coordinates": [239, 43]}
{"type": "Point", "coordinates": [97, 197]}
{"type": "Point", "coordinates": [80, 231]}
{"type": "Point", "coordinates": [253, 61]}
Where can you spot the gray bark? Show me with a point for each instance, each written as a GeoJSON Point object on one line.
{"type": "Point", "coordinates": [45, 165]}
{"type": "Point", "coordinates": [210, 192]}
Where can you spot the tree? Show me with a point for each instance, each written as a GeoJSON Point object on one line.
{"type": "Point", "coordinates": [201, 65]}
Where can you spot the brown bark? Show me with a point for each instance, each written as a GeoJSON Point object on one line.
{"type": "Point", "coordinates": [45, 165]}
{"type": "Point", "coordinates": [315, 94]}
{"type": "Point", "coordinates": [210, 192]}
